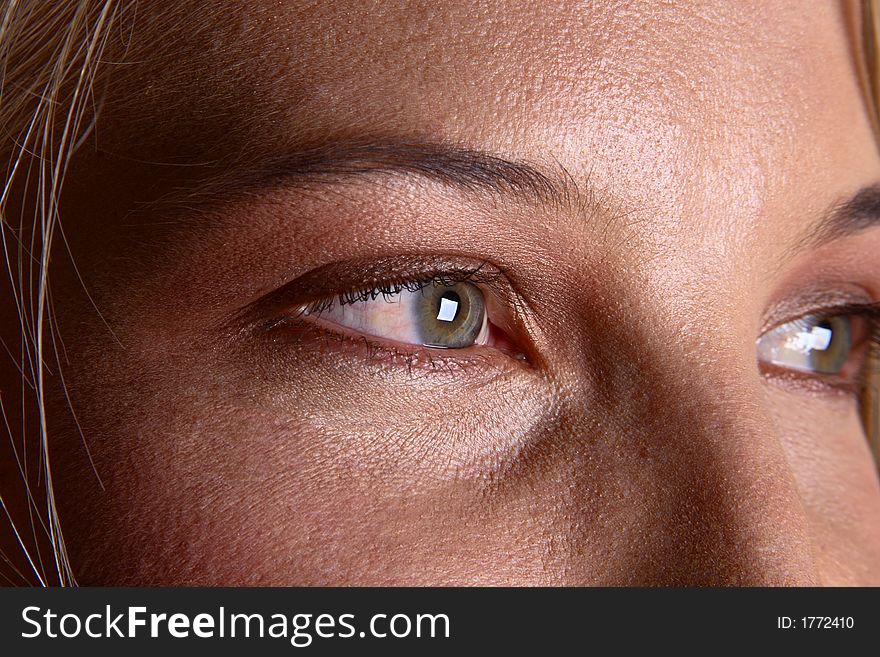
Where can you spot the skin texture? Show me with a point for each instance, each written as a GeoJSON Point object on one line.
{"type": "Point", "coordinates": [638, 443]}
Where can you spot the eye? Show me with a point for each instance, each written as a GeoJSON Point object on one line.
{"type": "Point", "coordinates": [431, 313]}
{"type": "Point", "coordinates": [820, 344]}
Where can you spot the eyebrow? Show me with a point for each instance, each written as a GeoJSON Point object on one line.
{"type": "Point", "coordinates": [459, 167]}
{"type": "Point", "coordinates": [847, 217]}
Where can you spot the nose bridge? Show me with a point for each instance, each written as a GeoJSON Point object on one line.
{"type": "Point", "coordinates": [686, 477]}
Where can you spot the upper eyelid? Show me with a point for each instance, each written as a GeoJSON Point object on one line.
{"type": "Point", "coordinates": [822, 299]}
{"type": "Point", "coordinates": [870, 310]}
{"type": "Point", "coordinates": [368, 273]}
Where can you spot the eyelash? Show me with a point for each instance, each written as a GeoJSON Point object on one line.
{"type": "Point", "coordinates": [478, 275]}
{"type": "Point", "coordinates": [870, 311]}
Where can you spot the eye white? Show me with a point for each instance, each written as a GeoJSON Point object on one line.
{"type": "Point", "coordinates": [386, 316]}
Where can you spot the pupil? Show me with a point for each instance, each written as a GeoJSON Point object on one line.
{"type": "Point", "coordinates": [447, 308]}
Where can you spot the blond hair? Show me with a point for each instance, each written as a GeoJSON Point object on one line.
{"type": "Point", "coordinates": [49, 55]}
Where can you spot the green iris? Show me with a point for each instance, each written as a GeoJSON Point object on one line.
{"type": "Point", "coordinates": [449, 316]}
{"type": "Point", "coordinates": [838, 333]}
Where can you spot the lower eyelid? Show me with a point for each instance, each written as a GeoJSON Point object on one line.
{"type": "Point", "coordinates": [340, 341]}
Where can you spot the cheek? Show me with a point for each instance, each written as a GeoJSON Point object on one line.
{"type": "Point", "coordinates": [837, 480]}
{"type": "Point", "coordinates": [269, 504]}
{"type": "Point", "coordinates": [216, 471]}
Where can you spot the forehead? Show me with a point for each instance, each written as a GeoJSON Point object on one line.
{"type": "Point", "coordinates": [682, 107]}
{"type": "Point", "coordinates": [444, 65]}
{"type": "Point", "coordinates": [613, 84]}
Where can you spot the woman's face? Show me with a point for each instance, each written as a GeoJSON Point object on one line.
{"type": "Point", "coordinates": [634, 193]}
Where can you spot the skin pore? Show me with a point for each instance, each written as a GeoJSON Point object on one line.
{"type": "Point", "coordinates": [647, 188]}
